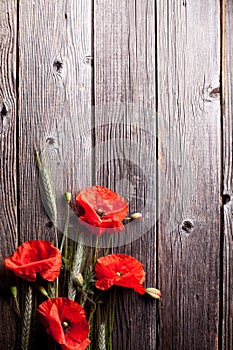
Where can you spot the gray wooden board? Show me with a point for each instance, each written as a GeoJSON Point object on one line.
{"type": "Point", "coordinates": [55, 79]}
{"type": "Point", "coordinates": [123, 56]}
{"type": "Point", "coordinates": [8, 178]}
{"type": "Point", "coordinates": [188, 71]}
{"type": "Point", "coordinates": [124, 72]}
{"type": "Point", "coordinates": [55, 84]}
{"type": "Point", "coordinates": [227, 331]}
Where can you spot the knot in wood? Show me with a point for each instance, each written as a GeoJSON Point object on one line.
{"type": "Point", "coordinates": [187, 226]}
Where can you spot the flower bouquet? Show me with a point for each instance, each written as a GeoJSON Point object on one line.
{"type": "Point", "coordinates": [71, 289]}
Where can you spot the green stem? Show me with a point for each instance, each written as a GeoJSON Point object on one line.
{"type": "Point", "coordinates": [109, 244]}
{"type": "Point", "coordinates": [65, 233]}
{"type": "Point", "coordinates": [56, 284]}
{"type": "Point", "coordinates": [17, 305]}
{"type": "Point", "coordinates": [94, 308]}
{"type": "Point", "coordinates": [111, 318]}
{"type": "Point", "coordinates": [90, 317]}
{"type": "Point", "coordinates": [96, 250]}
{"type": "Point", "coordinates": [14, 292]}
{"type": "Point", "coordinates": [56, 232]}
{"type": "Point", "coordinates": [65, 241]}
{"type": "Point", "coordinates": [56, 287]}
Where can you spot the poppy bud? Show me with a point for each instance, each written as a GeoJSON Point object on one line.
{"type": "Point", "coordinates": [67, 197]}
{"type": "Point", "coordinates": [14, 291]}
{"type": "Point", "coordinates": [79, 279]}
{"type": "Point", "coordinates": [136, 216]}
{"type": "Point", "coordinates": [153, 292]}
{"type": "Point", "coordinates": [43, 291]}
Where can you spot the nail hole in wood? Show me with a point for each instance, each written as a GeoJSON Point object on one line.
{"type": "Point", "coordinates": [88, 60]}
{"type": "Point", "coordinates": [187, 226]}
{"type": "Point", "coordinates": [226, 198]}
{"type": "Point", "coordinates": [49, 224]}
{"type": "Point", "coordinates": [58, 66]}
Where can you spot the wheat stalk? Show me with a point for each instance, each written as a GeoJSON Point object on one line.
{"type": "Point", "coordinates": [46, 185]}
{"type": "Point", "coordinates": [77, 263]}
{"type": "Point", "coordinates": [101, 337]}
{"type": "Point", "coordinates": [26, 322]}
{"type": "Point", "coordinates": [47, 191]}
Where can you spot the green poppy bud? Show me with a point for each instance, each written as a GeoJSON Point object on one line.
{"type": "Point", "coordinates": [153, 292]}
{"type": "Point", "coordinates": [68, 197]}
{"type": "Point", "coordinates": [43, 291]}
{"type": "Point", "coordinates": [136, 216]}
{"type": "Point", "coordinates": [14, 291]}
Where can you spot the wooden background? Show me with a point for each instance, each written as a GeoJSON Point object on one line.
{"type": "Point", "coordinates": [173, 57]}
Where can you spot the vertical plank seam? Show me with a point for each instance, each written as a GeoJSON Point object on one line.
{"type": "Point", "coordinates": [17, 127]}
{"type": "Point", "coordinates": [93, 121]}
{"type": "Point", "coordinates": [222, 113]}
{"type": "Point", "coordinates": [157, 173]}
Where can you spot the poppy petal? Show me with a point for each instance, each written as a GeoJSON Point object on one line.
{"type": "Point", "coordinates": [55, 328]}
{"type": "Point", "coordinates": [34, 257]}
{"type": "Point", "coordinates": [56, 311]}
{"type": "Point", "coordinates": [104, 210]}
{"type": "Point", "coordinates": [121, 270]}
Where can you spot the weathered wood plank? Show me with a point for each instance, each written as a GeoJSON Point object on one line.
{"type": "Point", "coordinates": [55, 80]}
{"type": "Point", "coordinates": [227, 330]}
{"type": "Point", "coordinates": [55, 83]}
{"type": "Point", "coordinates": [8, 177]}
{"type": "Point", "coordinates": [189, 119]}
{"type": "Point", "coordinates": [125, 152]}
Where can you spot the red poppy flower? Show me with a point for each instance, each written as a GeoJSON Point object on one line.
{"type": "Point", "coordinates": [120, 270]}
{"type": "Point", "coordinates": [66, 322]}
{"type": "Point", "coordinates": [34, 257]}
{"type": "Point", "coordinates": [103, 209]}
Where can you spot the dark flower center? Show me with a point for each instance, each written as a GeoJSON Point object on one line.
{"type": "Point", "coordinates": [100, 212]}
{"type": "Point", "coordinates": [65, 325]}
{"type": "Point", "coordinates": [119, 274]}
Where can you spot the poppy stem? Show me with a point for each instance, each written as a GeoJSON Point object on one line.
{"type": "Point", "coordinates": [94, 308]}
{"type": "Point", "coordinates": [109, 244]}
{"type": "Point", "coordinates": [65, 233]}
{"type": "Point", "coordinates": [96, 250]}
{"type": "Point", "coordinates": [111, 315]}
{"type": "Point", "coordinates": [56, 287]}
{"type": "Point", "coordinates": [14, 292]}
{"type": "Point", "coordinates": [65, 242]}
{"type": "Point", "coordinates": [56, 245]}
{"type": "Point", "coordinates": [17, 306]}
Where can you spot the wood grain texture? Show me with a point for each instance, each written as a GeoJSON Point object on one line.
{"type": "Point", "coordinates": [8, 178]}
{"type": "Point", "coordinates": [189, 119]}
{"type": "Point", "coordinates": [55, 84]}
{"type": "Point", "coordinates": [227, 331]}
{"type": "Point", "coordinates": [124, 72]}
{"type": "Point", "coordinates": [127, 57]}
